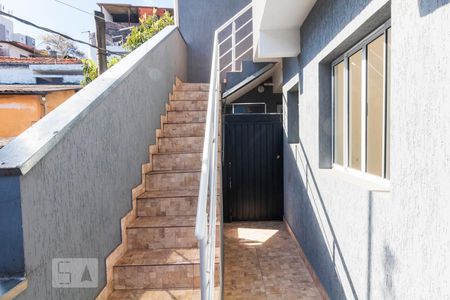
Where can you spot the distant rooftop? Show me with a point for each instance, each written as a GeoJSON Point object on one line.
{"type": "Point", "coordinates": [20, 45]}
{"type": "Point", "coordinates": [127, 13]}
{"type": "Point", "coordinates": [39, 61]}
{"type": "Point", "coordinates": [34, 89]}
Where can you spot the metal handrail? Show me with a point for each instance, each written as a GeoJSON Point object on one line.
{"type": "Point", "coordinates": [235, 39]}
{"type": "Point", "coordinates": [205, 227]}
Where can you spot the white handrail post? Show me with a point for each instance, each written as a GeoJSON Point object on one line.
{"type": "Point", "coordinates": [206, 223]}
{"type": "Point", "coordinates": [233, 46]}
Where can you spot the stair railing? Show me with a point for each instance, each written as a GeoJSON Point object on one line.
{"type": "Point", "coordinates": [206, 221]}
{"type": "Point", "coordinates": [238, 45]}
{"type": "Point", "coordinates": [205, 227]}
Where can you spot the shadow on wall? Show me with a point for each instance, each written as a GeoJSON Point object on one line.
{"type": "Point", "coordinates": [317, 236]}
{"type": "Point", "coordinates": [308, 228]}
{"type": "Point", "coordinates": [389, 264]}
{"type": "Point", "coordinates": [429, 6]}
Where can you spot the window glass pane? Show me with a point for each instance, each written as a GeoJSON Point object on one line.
{"type": "Point", "coordinates": [388, 100]}
{"type": "Point", "coordinates": [249, 108]}
{"type": "Point", "coordinates": [339, 113]}
{"type": "Point", "coordinates": [375, 84]}
{"type": "Point", "coordinates": [354, 92]}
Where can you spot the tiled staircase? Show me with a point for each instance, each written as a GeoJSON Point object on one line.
{"type": "Point", "coordinates": [162, 257]}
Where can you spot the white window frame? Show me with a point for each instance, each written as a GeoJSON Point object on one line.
{"type": "Point", "coordinates": [362, 45]}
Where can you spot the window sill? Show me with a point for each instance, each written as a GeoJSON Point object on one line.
{"type": "Point", "coordinates": [11, 288]}
{"type": "Point", "coordinates": [363, 180]}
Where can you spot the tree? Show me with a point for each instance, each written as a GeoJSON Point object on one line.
{"type": "Point", "coordinates": [147, 28]}
{"type": "Point", "coordinates": [90, 69]}
{"type": "Point", "coordinates": [62, 46]}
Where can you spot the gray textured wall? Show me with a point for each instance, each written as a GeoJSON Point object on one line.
{"type": "Point", "coordinates": [364, 242]}
{"type": "Point", "coordinates": [198, 21]}
{"type": "Point", "coordinates": [74, 197]}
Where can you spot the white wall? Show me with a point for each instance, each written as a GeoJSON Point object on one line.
{"type": "Point", "coordinates": [18, 37]}
{"type": "Point", "coordinates": [9, 27]}
{"type": "Point", "coordinates": [28, 74]}
{"type": "Point", "coordinates": [15, 75]}
{"type": "Point", "coordinates": [13, 51]}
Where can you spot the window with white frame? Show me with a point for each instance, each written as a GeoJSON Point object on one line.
{"type": "Point", "coordinates": [361, 96]}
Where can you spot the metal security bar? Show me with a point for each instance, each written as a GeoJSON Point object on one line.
{"type": "Point", "coordinates": [206, 222]}
{"type": "Point", "coordinates": [237, 45]}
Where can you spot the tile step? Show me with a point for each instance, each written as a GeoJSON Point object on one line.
{"type": "Point", "coordinates": [160, 207]}
{"type": "Point", "coordinates": [194, 105]}
{"type": "Point", "coordinates": [189, 95]}
{"type": "Point", "coordinates": [183, 129]}
{"type": "Point", "coordinates": [162, 294]}
{"type": "Point", "coordinates": [163, 222]}
{"type": "Point", "coordinates": [171, 161]}
{"type": "Point", "coordinates": [186, 116]}
{"type": "Point", "coordinates": [169, 194]}
{"type": "Point", "coordinates": [192, 87]}
{"type": "Point", "coordinates": [180, 144]}
{"type": "Point", "coordinates": [158, 257]}
{"type": "Point", "coordinates": [167, 180]}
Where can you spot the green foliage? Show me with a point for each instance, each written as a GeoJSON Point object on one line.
{"type": "Point", "coordinates": [113, 60]}
{"type": "Point", "coordinates": [148, 28]}
{"type": "Point", "coordinates": [90, 69]}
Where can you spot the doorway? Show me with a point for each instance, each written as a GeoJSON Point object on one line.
{"type": "Point", "coordinates": [253, 167]}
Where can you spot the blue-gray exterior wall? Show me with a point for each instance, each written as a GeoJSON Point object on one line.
{"type": "Point", "coordinates": [198, 21]}
{"type": "Point", "coordinates": [12, 262]}
{"type": "Point", "coordinates": [365, 241]}
{"type": "Point", "coordinates": [74, 198]}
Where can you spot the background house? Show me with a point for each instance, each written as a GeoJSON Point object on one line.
{"type": "Point", "coordinates": [120, 18]}
{"type": "Point", "coordinates": [23, 105]}
{"type": "Point", "coordinates": [40, 70]}
{"type": "Point", "coordinates": [24, 39]}
{"type": "Point", "coordinates": [6, 29]}
{"type": "Point", "coordinates": [17, 49]}
{"type": "Point", "coordinates": [31, 87]}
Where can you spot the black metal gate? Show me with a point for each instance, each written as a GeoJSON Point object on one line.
{"type": "Point", "coordinates": [253, 167]}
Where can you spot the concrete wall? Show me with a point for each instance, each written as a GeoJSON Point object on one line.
{"type": "Point", "coordinates": [75, 194]}
{"type": "Point", "coordinates": [363, 240]}
{"type": "Point", "coordinates": [198, 21]}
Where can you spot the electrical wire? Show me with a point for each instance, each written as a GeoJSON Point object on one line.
{"type": "Point", "coordinates": [91, 14]}
{"type": "Point", "coordinates": [58, 33]}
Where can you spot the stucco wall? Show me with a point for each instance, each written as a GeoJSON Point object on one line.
{"type": "Point", "coordinates": [17, 113]}
{"type": "Point", "coordinates": [363, 241]}
{"type": "Point", "coordinates": [74, 197]}
{"type": "Point", "coordinates": [198, 21]}
{"type": "Point", "coordinates": [54, 99]}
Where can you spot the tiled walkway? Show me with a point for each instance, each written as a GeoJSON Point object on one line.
{"type": "Point", "coordinates": [262, 261]}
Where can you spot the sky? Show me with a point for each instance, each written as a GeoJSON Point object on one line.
{"type": "Point", "coordinates": [64, 19]}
